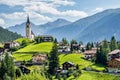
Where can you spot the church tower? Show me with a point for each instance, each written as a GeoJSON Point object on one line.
{"type": "Point", "coordinates": [28, 28]}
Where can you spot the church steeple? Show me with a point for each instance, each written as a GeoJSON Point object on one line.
{"type": "Point", "coordinates": [28, 21]}
{"type": "Point", "coordinates": [29, 34]}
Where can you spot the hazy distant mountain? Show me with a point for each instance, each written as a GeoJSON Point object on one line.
{"type": "Point", "coordinates": [93, 28]}
{"type": "Point", "coordinates": [39, 29]}
{"type": "Point", "coordinates": [6, 35]}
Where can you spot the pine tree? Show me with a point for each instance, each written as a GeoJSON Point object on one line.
{"type": "Point", "coordinates": [65, 41]}
{"type": "Point", "coordinates": [98, 56]}
{"type": "Point", "coordinates": [88, 46]}
{"type": "Point", "coordinates": [7, 67]}
{"type": "Point", "coordinates": [53, 60]}
{"type": "Point", "coordinates": [113, 44]}
{"type": "Point", "coordinates": [55, 41]}
{"type": "Point", "coordinates": [104, 52]}
{"type": "Point", "coordinates": [73, 42]}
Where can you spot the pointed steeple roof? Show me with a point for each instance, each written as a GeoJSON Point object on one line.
{"type": "Point", "coordinates": [28, 21]}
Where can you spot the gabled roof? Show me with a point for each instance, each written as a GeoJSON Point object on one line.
{"type": "Point", "coordinates": [90, 52]}
{"type": "Point", "coordinates": [115, 51]}
{"type": "Point", "coordinates": [32, 33]}
{"type": "Point", "coordinates": [118, 59]}
{"type": "Point", "coordinates": [68, 63]}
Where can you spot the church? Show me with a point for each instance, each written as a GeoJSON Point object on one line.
{"type": "Point", "coordinates": [29, 33]}
{"type": "Point", "coordinates": [31, 36]}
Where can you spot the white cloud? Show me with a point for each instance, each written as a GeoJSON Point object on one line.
{"type": "Point", "coordinates": [98, 10]}
{"type": "Point", "coordinates": [37, 9]}
{"type": "Point", "coordinates": [2, 22]}
{"type": "Point", "coordinates": [44, 8]}
{"type": "Point", "coordinates": [74, 13]}
{"type": "Point", "coordinates": [63, 2]}
{"type": "Point", "coordinates": [21, 15]}
{"type": "Point", "coordinates": [30, 2]}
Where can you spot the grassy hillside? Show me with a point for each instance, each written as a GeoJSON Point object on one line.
{"type": "Point", "coordinates": [78, 59]}
{"type": "Point", "coordinates": [90, 75]}
{"type": "Point", "coordinates": [27, 52]}
{"type": "Point", "coordinates": [21, 39]}
{"type": "Point", "coordinates": [22, 56]}
{"type": "Point", "coordinates": [41, 47]}
{"type": "Point", "coordinates": [97, 76]}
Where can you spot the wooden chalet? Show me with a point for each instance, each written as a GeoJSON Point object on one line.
{"type": "Point", "coordinates": [76, 47]}
{"type": "Point", "coordinates": [67, 65]}
{"type": "Point", "coordinates": [90, 54]}
{"type": "Point", "coordinates": [114, 54]}
{"type": "Point", "coordinates": [114, 65]}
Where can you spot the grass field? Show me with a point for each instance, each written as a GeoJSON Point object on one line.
{"type": "Point", "coordinates": [27, 52]}
{"type": "Point", "coordinates": [22, 56]}
{"type": "Point", "coordinates": [90, 75]}
{"type": "Point", "coordinates": [1, 45]}
{"type": "Point", "coordinates": [78, 59]}
{"type": "Point", "coordinates": [41, 47]}
{"type": "Point", "coordinates": [21, 39]}
{"type": "Point", "coordinates": [97, 76]}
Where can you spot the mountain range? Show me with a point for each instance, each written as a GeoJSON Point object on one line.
{"type": "Point", "coordinates": [39, 29]}
{"type": "Point", "coordinates": [92, 28]}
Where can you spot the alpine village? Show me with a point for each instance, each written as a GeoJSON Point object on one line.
{"type": "Point", "coordinates": [61, 54]}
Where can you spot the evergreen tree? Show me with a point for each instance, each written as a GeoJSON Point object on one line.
{"type": "Point", "coordinates": [53, 60]}
{"type": "Point", "coordinates": [55, 41]}
{"type": "Point", "coordinates": [7, 67]}
{"type": "Point", "coordinates": [73, 42]}
{"type": "Point", "coordinates": [92, 45]}
{"type": "Point", "coordinates": [98, 56]}
{"type": "Point", "coordinates": [65, 41]}
{"type": "Point", "coordinates": [104, 52]}
{"type": "Point", "coordinates": [88, 46]}
{"type": "Point", "coordinates": [113, 44]}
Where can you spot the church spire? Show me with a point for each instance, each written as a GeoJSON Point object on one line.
{"type": "Point", "coordinates": [28, 21]}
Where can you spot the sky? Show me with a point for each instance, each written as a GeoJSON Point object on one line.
{"type": "Point", "coordinates": [14, 12]}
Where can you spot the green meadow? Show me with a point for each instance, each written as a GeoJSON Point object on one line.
{"type": "Point", "coordinates": [33, 47]}
{"type": "Point", "coordinates": [27, 52]}
{"type": "Point", "coordinates": [78, 59]}
{"type": "Point", "coordinates": [21, 39]}
{"type": "Point", "coordinates": [90, 75]}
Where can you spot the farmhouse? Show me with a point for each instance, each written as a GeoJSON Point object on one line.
{"type": "Point", "coordinates": [63, 48]}
{"type": "Point", "coordinates": [9, 45]}
{"type": "Point", "coordinates": [67, 65]}
{"type": "Point", "coordinates": [76, 47]}
{"type": "Point", "coordinates": [114, 54]}
{"type": "Point", "coordinates": [114, 65]}
{"type": "Point", "coordinates": [90, 54]}
{"type": "Point", "coordinates": [39, 58]}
